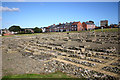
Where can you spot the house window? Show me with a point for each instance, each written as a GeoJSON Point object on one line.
{"type": "Point", "coordinates": [75, 29]}
{"type": "Point", "coordinates": [72, 28]}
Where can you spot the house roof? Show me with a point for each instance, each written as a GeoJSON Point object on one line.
{"type": "Point", "coordinates": [89, 23]}
{"type": "Point", "coordinates": [52, 26]}
{"type": "Point", "coordinates": [60, 25]}
{"type": "Point", "coordinates": [46, 27]}
{"type": "Point", "coordinates": [69, 23]}
{"type": "Point", "coordinates": [75, 23]}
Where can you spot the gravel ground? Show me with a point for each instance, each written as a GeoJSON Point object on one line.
{"type": "Point", "coordinates": [32, 54]}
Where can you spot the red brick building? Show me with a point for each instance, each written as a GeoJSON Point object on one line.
{"type": "Point", "coordinates": [88, 25]}
{"type": "Point", "coordinates": [72, 26]}
{"type": "Point", "coordinates": [47, 29]}
{"type": "Point", "coordinates": [76, 26]}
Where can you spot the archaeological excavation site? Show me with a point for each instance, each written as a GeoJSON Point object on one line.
{"type": "Point", "coordinates": [90, 55]}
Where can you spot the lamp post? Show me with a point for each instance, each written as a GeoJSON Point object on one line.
{"type": "Point", "coordinates": [102, 29]}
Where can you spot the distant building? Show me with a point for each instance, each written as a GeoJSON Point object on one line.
{"type": "Point", "coordinates": [104, 23]}
{"type": "Point", "coordinates": [88, 25]}
{"type": "Point", "coordinates": [72, 26]}
{"type": "Point", "coordinates": [77, 26]}
{"type": "Point", "coordinates": [27, 30]}
{"type": "Point", "coordinates": [6, 32]}
{"type": "Point", "coordinates": [68, 26]}
{"type": "Point", "coordinates": [43, 29]}
{"type": "Point", "coordinates": [47, 29]}
{"type": "Point", "coordinates": [57, 28]}
{"type": "Point", "coordinates": [52, 28]}
{"type": "Point", "coordinates": [113, 26]}
{"type": "Point", "coordinates": [60, 28]}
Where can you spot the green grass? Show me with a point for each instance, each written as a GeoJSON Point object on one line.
{"type": "Point", "coordinates": [108, 30]}
{"type": "Point", "coordinates": [98, 30]}
{"type": "Point", "coordinates": [50, 75]}
{"type": "Point", "coordinates": [22, 35]}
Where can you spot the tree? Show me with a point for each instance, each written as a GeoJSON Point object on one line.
{"type": "Point", "coordinates": [37, 30]}
{"type": "Point", "coordinates": [15, 28]}
{"type": "Point", "coordinates": [92, 22]}
{"type": "Point", "coordinates": [3, 33]}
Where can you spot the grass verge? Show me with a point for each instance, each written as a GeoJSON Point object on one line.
{"type": "Point", "coordinates": [108, 30]}
{"type": "Point", "coordinates": [98, 30]}
{"type": "Point", "coordinates": [50, 75]}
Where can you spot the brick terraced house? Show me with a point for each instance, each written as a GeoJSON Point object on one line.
{"type": "Point", "coordinates": [68, 26]}
{"type": "Point", "coordinates": [77, 26]}
{"type": "Point", "coordinates": [58, 28]}
{"type": "Point", "coordinates": [88, 25]}
{"type": "Point", "coordinates": [72, 26]}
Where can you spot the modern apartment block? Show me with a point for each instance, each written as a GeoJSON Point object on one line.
{"type": "Point", "coordinates": [104, 23]}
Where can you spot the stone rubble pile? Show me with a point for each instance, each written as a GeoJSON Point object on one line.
{"type": "Point", "coordinates": [112, 69]}
{"type": "Point", "coordinates": [103, 57]}
{"type": "Point", "coordinates": [70, 69]}
{"type": "Point", "coordinates": [95, 60]}
{"type": "Point", "coordinates": [85, 49]}
{"type": "Point", "coordinates": [116, 64]}
{"type": "Point", "coordinates": [80, 62]}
